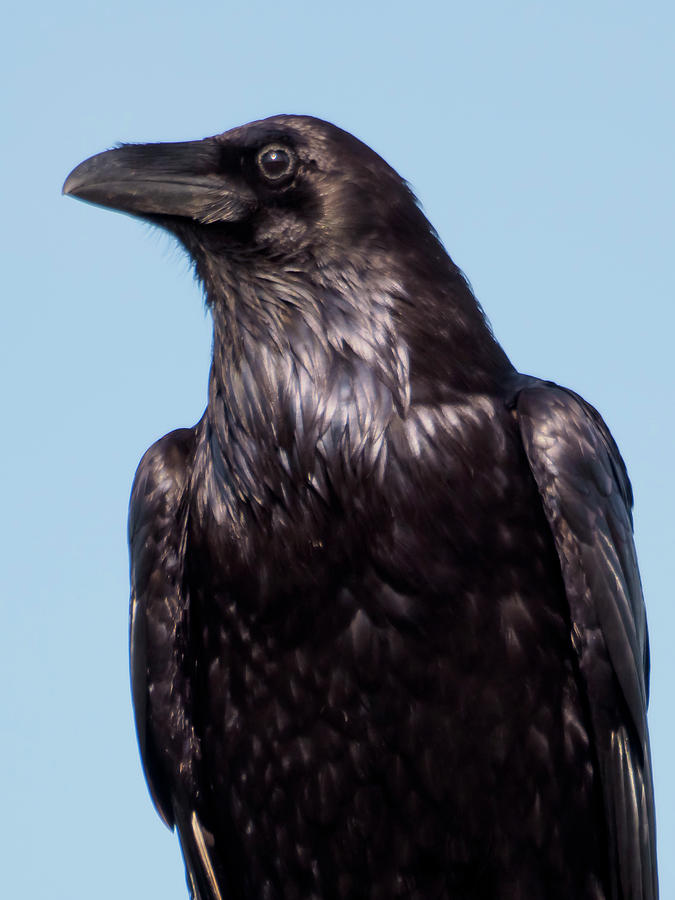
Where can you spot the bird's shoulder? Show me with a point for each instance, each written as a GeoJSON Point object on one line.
{"type": "Point", "coordinates": [160, 481]}
{"type": "Point", "coordinates": [571, 435]}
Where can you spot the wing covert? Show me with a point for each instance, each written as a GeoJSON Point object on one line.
{"type": "Point", "coordinates": [158, 617]}
{"type": "Point", "coordinates": [587, 499]}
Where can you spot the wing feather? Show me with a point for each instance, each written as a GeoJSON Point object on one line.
{"type": "Point", "coordinates": [587, 499]}
{"type": "Point", "coordinates": [157, 632]}
{"type": "Point", "coordinates": [160, 655]}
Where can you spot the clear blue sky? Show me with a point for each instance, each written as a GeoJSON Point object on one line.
{"type": "Point", "coordinates": [540, 139]}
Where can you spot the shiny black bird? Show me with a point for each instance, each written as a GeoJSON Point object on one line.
{"type": "Point", "coordinates": [387, 631]}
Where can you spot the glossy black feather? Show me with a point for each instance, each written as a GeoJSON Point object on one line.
{"type": "Point", "coordinates": [587, 498]}
{"type": "Point", "coordinates": [158, 617]}
{"type": "Point", "coordinates": [387, 632]}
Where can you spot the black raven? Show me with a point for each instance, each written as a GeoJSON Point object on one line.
{"type": "Point", "coordinates": [387, 630]}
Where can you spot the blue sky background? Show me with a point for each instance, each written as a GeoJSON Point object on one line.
{"type": "Point", "coordinates": [540, 140]}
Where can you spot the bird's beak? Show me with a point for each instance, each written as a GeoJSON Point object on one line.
{"type": "Point", "coordinates": [181, 179]}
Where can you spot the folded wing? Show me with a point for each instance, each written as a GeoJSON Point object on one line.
{"type": "Point", "coordinates": [587, 499]}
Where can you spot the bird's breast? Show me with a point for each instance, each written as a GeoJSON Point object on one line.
{"type": "Point", "coordinates": [391, 676]}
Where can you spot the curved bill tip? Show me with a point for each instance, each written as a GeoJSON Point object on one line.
{"type": "Point", "coordinates": [71, 184]}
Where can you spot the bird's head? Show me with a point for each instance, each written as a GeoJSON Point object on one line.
{"type": "Point", "coordinates": [286, 188]}
{"type": "Point", "coordinates": [289, 201]}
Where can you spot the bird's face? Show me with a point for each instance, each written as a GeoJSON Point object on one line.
{"type": "Point", "coordinates": [285, 188]}
{"type": "Point", "coordinates": [295, 226]}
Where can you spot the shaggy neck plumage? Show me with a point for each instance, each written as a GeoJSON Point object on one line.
{"type": "Point", "coordinates": [310, 367]}
{"type": "Point", "coordinates": [272, 319]}
{"type": "Point", "coordinates": [302, 378]}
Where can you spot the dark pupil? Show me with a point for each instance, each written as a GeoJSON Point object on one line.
{"type": "Point", "coordinates": [275, 162]}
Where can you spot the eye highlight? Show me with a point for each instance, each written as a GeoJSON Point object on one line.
{"type": "Point", "coordinates": [276, 163]}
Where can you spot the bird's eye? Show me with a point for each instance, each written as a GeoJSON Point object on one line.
{"type": "Point", "coordinates": [276, 163]}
